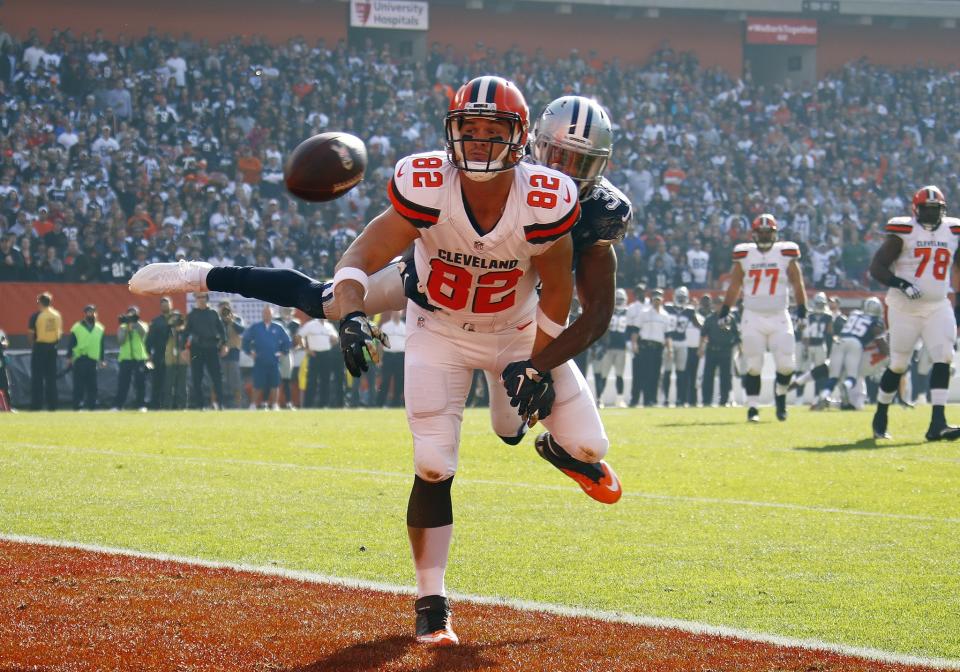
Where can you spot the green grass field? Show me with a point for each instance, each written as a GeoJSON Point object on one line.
{"type": "Point", "coordinates": [801, 529]}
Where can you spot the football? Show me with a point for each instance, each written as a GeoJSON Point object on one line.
{"type": "Point", "coordinates": [325, 166]}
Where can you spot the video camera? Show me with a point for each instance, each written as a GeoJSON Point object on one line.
{"type": "Point", "coordinates": [127, 318]}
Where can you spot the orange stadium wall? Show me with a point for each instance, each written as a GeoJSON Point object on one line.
{"type": "Point", "coordinates": [883, 45]}
{"type": "Point", "coordinates": [632, 40]}
{"type": "Point", "coordinates": [18, 301]}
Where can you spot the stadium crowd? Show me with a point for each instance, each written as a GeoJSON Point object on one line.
{"type": "Point", "coordinates": [120, 153]}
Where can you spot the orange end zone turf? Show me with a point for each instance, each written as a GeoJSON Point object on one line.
{"type": "Point", "coordinates": [64, 608]}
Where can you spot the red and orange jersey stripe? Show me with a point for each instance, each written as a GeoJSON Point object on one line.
{"type": "Point", "coordinates": [790, 252]}
{"type": "Point", "coordinates": [899, 228]}
{"type": "Point", "coordinates": [739, 254]}
{"type": "Point", "coordinates": [420, 216]}
{"type": "Point", "coordinates": [955, 229]}
{"type": "Point", "coordinates": [544, 233]}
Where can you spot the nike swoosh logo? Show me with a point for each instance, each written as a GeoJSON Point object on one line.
{"type": "Point", "coordinates": [400, 171]}
{"type": "Point", "coordinates": [524, 326]}
{"type": "Point", "coordinates": [566, 195]}
{"type": "Point", "coordinates": [615, 487]}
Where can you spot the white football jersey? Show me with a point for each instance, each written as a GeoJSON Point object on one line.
{"type": "Point", "coordinates": [765, 281]}
{"type": "Point", "coordinates": [485, 278]}
{"type": "Point", "coordinates": [926, 257]}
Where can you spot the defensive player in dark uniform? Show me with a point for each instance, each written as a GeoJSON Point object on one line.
{"type": "Point", "coordinates": [573, 135]}
{"type": "Point", "coordinates": [816, 334]}
{"type": "Point", "coordinates": [861, 329]}
{"type": "Point", "coordinates": [615, 350]}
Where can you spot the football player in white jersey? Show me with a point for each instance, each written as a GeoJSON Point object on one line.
{"type": "Point", "coordinates": [573, 135]}
{"type": "Point", "coordinates": [915, 262]}
{"type": "Point", "coordinates": [763, 270]}
{"type": "Point", "coordinates": [484, 228]}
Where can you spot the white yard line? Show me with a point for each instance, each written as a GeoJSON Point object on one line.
{"type": "Point", "coordinates": [526, 605]}
{"type": "Point", "coordinates": [214, 462]}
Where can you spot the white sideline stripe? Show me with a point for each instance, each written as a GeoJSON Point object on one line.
{"type": "Point", "coordinates": [512, 484]}
{"type": "Point", "coordinates": [692, 627]}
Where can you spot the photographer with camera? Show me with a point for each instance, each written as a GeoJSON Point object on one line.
{"type": "Point", "coordinates": [156, 347]}
{"type": "Point", "coordinates": [176, 357]}
{"type": "Point", "coordinates": [233, 325]}
{"type": "Point", "coordinates": [132, 336]}
{"type": "Point", "coordinates": [85, 356]}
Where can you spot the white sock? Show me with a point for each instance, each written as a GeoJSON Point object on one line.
{"type": "Point", "coordinates": [885, 397]}
{"type": "Point", "coordinates": [431, 565]}
{"type": "Point", "coordinates": [753, 401]}
{"type": "Point", "coordinates": [938, 396]}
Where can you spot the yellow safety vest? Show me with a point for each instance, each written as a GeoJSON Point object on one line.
{"type": "Point", "coordinates": [132, 346]}
{"type": "Point", "coordinates": [88, 340]}
{"type": "Point", "coordinates": [49, 326]}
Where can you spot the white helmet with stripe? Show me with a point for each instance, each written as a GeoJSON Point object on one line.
{"type": "Point", "coordinates": [575, 136]}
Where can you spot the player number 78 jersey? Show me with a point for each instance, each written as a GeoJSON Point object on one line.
{"type": "Point", "coordinates": [925, 258]}
{"type": "Point", "coordinates": [765, 281]}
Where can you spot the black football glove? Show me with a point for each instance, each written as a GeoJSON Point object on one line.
{"type": "Point", "coordinates": [531, 392]}
{"type": "Point", "coordinates": [357, 342]}
{"type": "Point", "coordinates": [411, 284]}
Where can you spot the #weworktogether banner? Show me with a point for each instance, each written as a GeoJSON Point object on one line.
{"type": "Point", "coordinates": [781, 31]}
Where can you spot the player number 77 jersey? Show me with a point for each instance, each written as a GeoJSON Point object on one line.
{"type": "Point", "coordinates": [926, 256]}
{"type": "Point", "coordinates": [765, 281]}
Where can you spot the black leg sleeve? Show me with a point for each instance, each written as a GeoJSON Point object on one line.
{"type": "Point", "coordinates": [279, 286]}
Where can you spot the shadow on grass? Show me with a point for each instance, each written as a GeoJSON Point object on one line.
{"type": "Point", "coordinates": [862, 444]}
{"type": "Point", "coordinates": [375, 654]}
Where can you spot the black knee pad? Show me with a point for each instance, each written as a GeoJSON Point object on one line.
{"type": "Point", "coordinates": [430, 504]}
{"type": "Point", "coordinates": [940, 376]}
{"type": "Point", "coordinates": [784, 378]}
{"type": "Point", "coordinates": [512, 440]}
{"type": "Point", "coordinates": [820, 372]}
{"type": "Point", "coordinates": [751, 385]}
{"type": "Point", "coordinates": [890, 381]}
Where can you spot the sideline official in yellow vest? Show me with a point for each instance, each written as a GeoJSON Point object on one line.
{"type": "Point", "coordinates": [85, 354]}
{"type": "Point", "coordinates": [131, 337]}
{"type": "Point", "coordinates": [45, 329]}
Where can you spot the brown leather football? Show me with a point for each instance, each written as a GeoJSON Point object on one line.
{"type": "Point", "coordinates": [325, 166]}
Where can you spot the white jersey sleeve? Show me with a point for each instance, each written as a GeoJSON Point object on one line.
{"type": "Point", "coordinates": [416, 189]}
{"type": "Point", "coordinates": [926, 256]}
{"type": "Point", "coordinates": [765, 281]}
{"type": "Point", "coordinates": [548, 202]}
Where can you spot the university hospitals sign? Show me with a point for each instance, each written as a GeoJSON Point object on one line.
{"type": "Point", "coordinates": [396, 14]}
{"type": "Point", "coordinates": [781, 31]}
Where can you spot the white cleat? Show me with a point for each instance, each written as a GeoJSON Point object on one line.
{"type": "Point", "coordinates": [181, 276]}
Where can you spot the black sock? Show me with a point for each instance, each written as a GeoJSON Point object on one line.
{"type": "Point", "coordinates": [938, 417]}
{"type": "Point", "coordinates": [279, 286]}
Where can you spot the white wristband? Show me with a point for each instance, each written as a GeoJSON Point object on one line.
{"type": "Point", "coordinates": [350, 273]}
{"type": "Point", "coordinates": [548, 326]}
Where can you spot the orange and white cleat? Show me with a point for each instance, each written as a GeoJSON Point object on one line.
{"type": "Point", "coordinates": [598, 480]}
{"type": "Point", "coordinates": [433, 621]}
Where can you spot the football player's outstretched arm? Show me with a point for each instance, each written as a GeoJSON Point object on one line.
{"type": "Point", "coordinates": [596, 286]}
{"type": "Point", "coordinates": [385, 237]}
{"type": "Point", "coordinates": [556, 288]}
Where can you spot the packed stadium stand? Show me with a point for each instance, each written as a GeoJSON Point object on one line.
{"type": "Point", "coordinates": [123, 153]}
